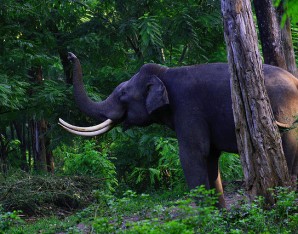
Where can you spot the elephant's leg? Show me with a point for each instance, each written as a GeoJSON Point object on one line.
{"type": "Point", "coordinates": [290, 147]}
{"type": "Point", "coordinates": [214, 177]}
{"type": "Point", "coordinates": [193, 151]}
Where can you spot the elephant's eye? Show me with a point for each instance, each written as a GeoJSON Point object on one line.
{"type": "Point", "coordinates": [123, 92]}
{"type": "Point", "coordinates": [149, 87]}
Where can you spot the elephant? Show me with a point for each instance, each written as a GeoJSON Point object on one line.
{"type": "Point", "coordinates": [194, 101]}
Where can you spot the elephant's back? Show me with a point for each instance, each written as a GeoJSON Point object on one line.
{"type": "Point", "coordinates": [277, 77]}
{"type": "Point", "coordinates": [282, 89]}
{"type": "Point", "coordinates": [212, 82]}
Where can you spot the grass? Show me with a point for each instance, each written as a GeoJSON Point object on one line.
{"type": "Point", "coordinates": [153, 213]}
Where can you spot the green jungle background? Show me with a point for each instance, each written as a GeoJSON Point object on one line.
{"type": "Point", "coordinates": [132, 181]}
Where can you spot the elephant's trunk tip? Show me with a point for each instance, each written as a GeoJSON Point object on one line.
{"type": "Point", "coordinates": [71, 56]}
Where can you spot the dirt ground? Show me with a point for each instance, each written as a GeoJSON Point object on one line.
{"type": "Point", "coordinates": [234, 193]}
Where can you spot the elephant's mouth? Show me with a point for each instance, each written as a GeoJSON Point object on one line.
{"type": "Point", "coordinates": [88, 131]}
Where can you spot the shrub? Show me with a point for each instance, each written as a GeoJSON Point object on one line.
{"type": "Point", "coordinates": [45, 194]}
{"type": "Point", "coordinates": [86, 159]}
{"type": "Point", "coordinates": [167, 172]}
{"type": "Point", "coordinates": [8, 219]}
{"type": "Point", "coordinates": [230, 167]}
{"type": "Point", "coordinates": [257, 218]}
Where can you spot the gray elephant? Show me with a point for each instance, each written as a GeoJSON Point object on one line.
{"type": "Point", "coordinates": [194, 101]}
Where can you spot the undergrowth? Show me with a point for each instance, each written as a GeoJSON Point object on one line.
{"type": "Point", "coordinates": [44, 195]}
{"type": "Point", "coordinates": [194, 212]}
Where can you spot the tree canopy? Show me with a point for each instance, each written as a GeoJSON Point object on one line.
{"type": "Point", "coordinates": [112, 38]}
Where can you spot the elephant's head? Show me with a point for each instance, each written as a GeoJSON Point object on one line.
{"type": "Point", "coordinates": [133, 102]}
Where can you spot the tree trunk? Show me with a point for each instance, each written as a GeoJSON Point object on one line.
{"type": "Point", "coordinates": [38, 146]}
{"type": "Point", "coordinates": [270, 33]}
{"type": "Point", "coordinates": [20, 131]}
{"type": "Point", "coordinates": [41, 154]}
{"type": "Point", "coordinates": [287, 43]}
{"type": "Point", "coordinates": [3, 151]}
{"type": "Point", "coordinates": [258, 139]}
{"type": "Point", "coordinates": [277, 45]}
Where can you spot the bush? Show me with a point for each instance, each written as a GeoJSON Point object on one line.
{"type": "Point", "coordinates": [230, 167]}
{"type": "Point", "coordinates": [86, 159]}
{"type": "Point", "coordinates": [167, 172]}
{"type": "Point", "coordinates": [8, 219]}
{"type": "Point", "coordinates": [257, 218]}
{"type": "Point", "coordinates": [45, 194]}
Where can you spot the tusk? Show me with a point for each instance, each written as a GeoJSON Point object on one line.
{"type": "Point", "coordinates": [86, 129]}
{"type": "Point", "coordinates": [283, 125]}
{"type": "Point", "coordinates": [92, 133]}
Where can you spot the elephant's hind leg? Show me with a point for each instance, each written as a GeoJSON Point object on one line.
{"type": "Point", "coordinates": [290, 147]}
{"type": "Point", "coordinates": [215, 178]}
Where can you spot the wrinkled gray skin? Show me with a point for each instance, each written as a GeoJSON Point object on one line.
{"type": "Point", "coordinates": [194, 101]}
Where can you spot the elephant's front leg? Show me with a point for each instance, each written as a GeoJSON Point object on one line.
{"type": "Point", "coordinates": [199, 162]}
{"type": "Point", "coordinates": [194, 148]}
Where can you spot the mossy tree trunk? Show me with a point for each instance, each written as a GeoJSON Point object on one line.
{"type": "Point", "coordinates": [258, 139]}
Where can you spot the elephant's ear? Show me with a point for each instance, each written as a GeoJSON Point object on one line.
{"type": "Point", "coordinates": [157, 95]}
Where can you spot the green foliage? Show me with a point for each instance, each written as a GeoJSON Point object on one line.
{"type": "Point", "coordinates": [44, 194]}
{"type": "Point", "coordinates": [49, 225]}
{"type": "Point", "coordinates": [167, 171]}
{"type": "Point", "coordinates": [193, 212]}
{"type": "Point", "coordinates": [255, 217]}
{"type": "Point", "coordinates": [291, 7]}
{"type": "Point", "coordinates": [230, 167]}
{"type": "Point", "coordinates": [185, 216]}
{"type": "Point", "coordinates": [169, 163]}
{"type": "Point", "coordinates": [12, 93]}
{"type": "Point", "coordinates": [88, 160]}
{"type": "Point", "coordinates": [102, 226]}
{"type": "Point", "coordinates": [112, 39]}
{"type": "Point", "coordinates": [295, 41]}
{"type": "Point", "coordinates": [150, 32]}
{"type": "Point", "coordinates": [8, 220]}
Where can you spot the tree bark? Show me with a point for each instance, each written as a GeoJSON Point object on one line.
{"type": "Point", "coordinates": [3, 151]}
{"type": "Point", "coordinates": [258, 139]}
{"type": "Point", "coordinates": [287, 43]}
{"type": "Point", "coordinates": [277, 45]}
{"type": "Point", "coordinates": [43, 158]}
{"type": "Point", "coordinates": [20, 131]}
{"type": "Point", "coordinates": [270, 33]}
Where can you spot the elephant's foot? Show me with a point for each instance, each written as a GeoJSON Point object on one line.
{"type": "Point", "coordinates": [221, 202]}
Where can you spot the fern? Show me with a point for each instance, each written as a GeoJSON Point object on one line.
{"type": "Point", "coordinates": [150, 32]}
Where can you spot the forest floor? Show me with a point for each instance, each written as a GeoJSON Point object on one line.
{"type": "Point", "coordinates": [129, 209]}
{"type": "Point", "coordinates": [169, 212]}
{"type": "Point", "coordinates": [234, 193]}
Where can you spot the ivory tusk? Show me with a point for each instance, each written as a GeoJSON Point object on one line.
{"type": "Point", "coordinates": [283, 125]}
{"type": "Point", "coordinates": [91, 133]}
{"type": "Point", "coordinates": [86, 129]}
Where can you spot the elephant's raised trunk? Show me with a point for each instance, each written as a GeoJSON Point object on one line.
{"type": "Point", "coordinates": [96, 110]}
{"type": "Point", "coordinates": [109, 110]}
